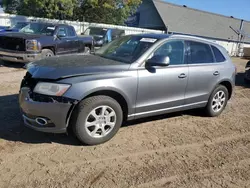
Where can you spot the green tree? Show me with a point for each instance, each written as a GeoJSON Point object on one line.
{"type": "Point", "coordinates": [54, 9]}
{"type": "Point", "coordinates": [106, 11]}
{"type": "Point", "coordinates": [100, 11]}
{"type": "Point", "coordinates": [11, 6]}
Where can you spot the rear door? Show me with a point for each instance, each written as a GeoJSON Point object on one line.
{"type": "Point", "coordinates": [204, 72]}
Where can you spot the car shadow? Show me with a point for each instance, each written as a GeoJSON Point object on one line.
{"type": "Point", "coordinates": [12, 64]}
{"type": "Point", "coordinates": [239, 81]}
{"type": "Point", "coordinates": [13, 129]}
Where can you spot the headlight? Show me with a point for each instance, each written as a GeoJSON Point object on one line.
{"type": "Point", "coordinates": [51, 89]}
{"type": "Point", "coordinates": [32, 45]}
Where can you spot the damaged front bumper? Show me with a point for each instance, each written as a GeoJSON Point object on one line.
{"type": "Point", "coordinates": [50, 116]}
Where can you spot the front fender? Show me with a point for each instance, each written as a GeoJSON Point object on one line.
{"type": "Point", "coordinates": [125, 86]}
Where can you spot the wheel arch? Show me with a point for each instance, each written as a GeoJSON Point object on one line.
{"type": "Point", "coordinates": [52, 48]}
{"type": "Point", "coordinates": [228, 84]}
{"type": "Point", "coordinates": [116, 95]}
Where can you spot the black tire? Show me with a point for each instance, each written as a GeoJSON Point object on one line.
{"type": "Point", "coordinates": [87, 50]}
{"type": "Point", "coordinates": [46, 53]}
{"type": "Point", "coordinates": [209, 108]}
{"type": "Point", "coordinates": [82, 112]}
{"type": "Point", "coordinates": [246, 81]}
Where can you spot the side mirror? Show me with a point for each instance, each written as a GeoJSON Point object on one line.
{"type": "Point", "coordinates": [158, 60]}
{"type": "Point", "coordinates": [61, 35]}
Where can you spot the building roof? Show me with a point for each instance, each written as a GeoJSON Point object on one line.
{"type": "Point", "coordinates": [180, 19]}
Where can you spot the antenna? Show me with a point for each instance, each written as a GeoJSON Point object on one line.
{"type": "Point", "coordinates": [241, 40]}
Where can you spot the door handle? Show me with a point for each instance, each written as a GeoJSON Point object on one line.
{"type": "Point", "coordinates": [216, 73]}
{"type": "Point", "coordinates": [182, 76]}
{"type": "Point", "coordinates": [68, 40]}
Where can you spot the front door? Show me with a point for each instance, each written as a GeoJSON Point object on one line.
{"type": "Point", "coordinates": [162, 89]}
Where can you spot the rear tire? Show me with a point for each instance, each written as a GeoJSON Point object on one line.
{"type": "Point", "coordinates": [97, 119]}
{"type": "Point", "coordinates": [246, 81]}
{"type": "Point", "coordinates": [217, 101]}
{"type": "Point", "coordinates": [46, 53]}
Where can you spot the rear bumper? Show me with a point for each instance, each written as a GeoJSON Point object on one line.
{"type": "Point", "coordinates": [56, 114]}
{"type": "Point", "coordinates": [20, 57]}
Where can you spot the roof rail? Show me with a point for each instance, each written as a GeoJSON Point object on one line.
{"type": "Point", "coordinates": [191, 37]}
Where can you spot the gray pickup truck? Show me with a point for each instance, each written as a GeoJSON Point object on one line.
{"type": "Point", "coordinates": [36, 41]}
{"type": "Point", "coordinates": [132, 77]}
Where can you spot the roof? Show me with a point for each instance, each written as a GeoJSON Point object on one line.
{"type": "Point", "coordinates": [179, 19]}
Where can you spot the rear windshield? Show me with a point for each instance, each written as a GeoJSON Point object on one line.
{"type": "Point", "coordinates": [126, 49]}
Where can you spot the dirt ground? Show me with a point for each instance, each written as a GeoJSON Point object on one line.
{"type": "Point", "coordinates": [175, 150]}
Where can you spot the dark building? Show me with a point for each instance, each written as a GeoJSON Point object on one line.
{"type": "Point", "coordinates": [157, 14]}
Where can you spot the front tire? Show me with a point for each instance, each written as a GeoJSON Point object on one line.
{"type": "Point", "coordinates": [46, 53]}
{"type": "Point", "coordinates": [87, 50]}
{"type": "Point", "coordinates": [217, 101]}
{"type": "Point", "coordinates": [97, 119]}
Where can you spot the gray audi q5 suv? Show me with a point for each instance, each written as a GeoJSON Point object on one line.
{"type": "Point", "coordinates": [132, 77]}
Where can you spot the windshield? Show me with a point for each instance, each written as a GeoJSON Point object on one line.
{"type": "Point", "coordinates": [126, 49]}
{"type": "Point", "coordinates": [19, 25]}
{"type": "Point", "coordinates": [39, 28]}
{"type": "Point", "coordinates": [97, 31]}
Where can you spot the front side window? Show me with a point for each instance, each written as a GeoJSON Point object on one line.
{"type": "Point", "coordinates": [174, 50]}
{"type": "Point", "coordinates": [62, 31]}
{"type": "Point", "coordinates": [126, 49]}
{"type": "Point", "coordinates": [218, 55]}
{"type": "Point", "coordinates": [199, 53]}
{"type": "Point", "coordinates": [19, 25]}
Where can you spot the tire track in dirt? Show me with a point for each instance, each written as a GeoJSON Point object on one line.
{"type": "Point", "coordinates": [162, 135]}
{"type": "Point", "coordinates": [201, 176]}
{"type": "Point", "coordinates": [138, 168]}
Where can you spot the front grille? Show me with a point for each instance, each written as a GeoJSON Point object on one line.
{"type": "Point", "coordinates": [12, 43]}
{"type": "Point", "coordinates": [28, 81]}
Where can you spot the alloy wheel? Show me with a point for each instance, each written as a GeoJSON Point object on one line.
{"type": "Point", "coordinates": [100, 121]}
{"type": "Point", "coordinates": [218, 101]}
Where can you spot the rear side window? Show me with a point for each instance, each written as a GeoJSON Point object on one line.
{"type": "Point", "coordinates": [218, 55]}
{"type": "Point", "coordinates": [71, 31]}
{"type": "Point", "coordinates": [199, 53]}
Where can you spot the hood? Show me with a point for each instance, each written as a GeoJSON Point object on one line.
{"type": "Point", "coordinates": [74, 65]}
{"type": "Point", "coordinates": [20, 35]}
